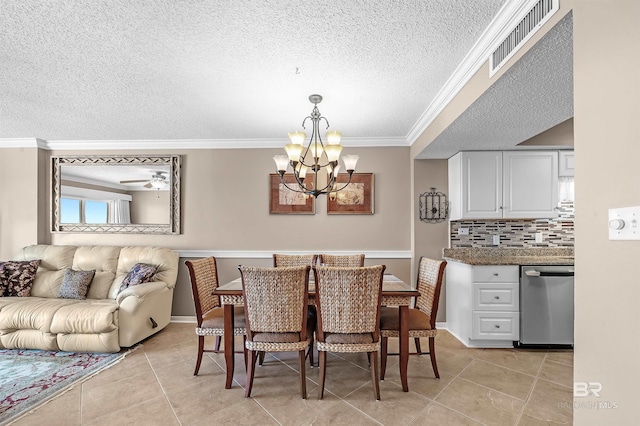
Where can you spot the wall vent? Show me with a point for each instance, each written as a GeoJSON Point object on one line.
{"type": "Point", "coordinates": [540, 13]}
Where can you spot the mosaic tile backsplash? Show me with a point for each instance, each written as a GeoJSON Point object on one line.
{"type": "Point", "coordinates": [556, 232]}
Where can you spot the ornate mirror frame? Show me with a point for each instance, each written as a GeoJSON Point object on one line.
{"type": "Point", "coordinates": [173, 161]}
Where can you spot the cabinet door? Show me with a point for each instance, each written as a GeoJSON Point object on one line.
{"type": "Point", "coordinates": [566, 163]}
{"type": "Point", "coordinates": [482, 185]}
{"type": "Point", "coordinates": [530, 184]}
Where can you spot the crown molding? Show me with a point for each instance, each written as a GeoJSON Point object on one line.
{"type": "Point", "coordinates": [181, 144]}
{"type": "Point", "coordinates": [23, 143]}
{"type": "Point", "coordinates": [508, 16]}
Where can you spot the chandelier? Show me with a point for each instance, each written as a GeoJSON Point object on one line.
{"type": "Point", "coordinates": [317, 155]}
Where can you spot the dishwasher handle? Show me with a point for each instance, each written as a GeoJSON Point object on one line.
{"type": "Point", "coordinates": [534, 273]}
{"type": "Point", "coordinates": [557, 274]}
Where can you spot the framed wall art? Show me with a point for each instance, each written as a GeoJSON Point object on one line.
{"type": "Point", "coordinates": [356, 198]}
{"type": "Point", "coordinates": [282, 200]}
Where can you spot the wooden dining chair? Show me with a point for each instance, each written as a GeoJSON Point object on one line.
{"type": "Point", "coordinates": [203, 274]}
{"type": "Point", "coordinates": [288, 260]}
{"type": "Point", "coordinates": [276, 302]}
{"type": "Point", "coordinates": [342, 260]}
{"type": "Point", "coordinates": [422, 316]}
{"type": "Point", "coordinates": [348, 303]}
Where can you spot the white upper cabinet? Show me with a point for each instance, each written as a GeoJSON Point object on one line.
{"type": "Point", "coordinates": [511, 184]}
{"type": "Point", "coordinates": [566, 163]}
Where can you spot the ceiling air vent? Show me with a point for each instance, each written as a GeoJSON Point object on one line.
{"type": "Point", "coordinates": [540, 13]}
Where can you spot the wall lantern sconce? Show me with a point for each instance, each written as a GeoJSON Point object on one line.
{"type": "Point", "coordinates": [434, 207]}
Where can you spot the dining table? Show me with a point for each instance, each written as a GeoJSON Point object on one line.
{"type": "Point", "coordinates": [395, 292]}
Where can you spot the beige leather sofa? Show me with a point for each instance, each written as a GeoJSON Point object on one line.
{"type": "Point", "coordinates": [106, 320]}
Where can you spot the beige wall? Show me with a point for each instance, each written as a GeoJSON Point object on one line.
{"type": "Point", "coordinates": [225, 207]}
{"type": "Point", "coordinates": [607, 148]}
{"type": "Point", "coordinates": [150, 207]}
{"type": "Point", "coordinates": [430, 238]}
{"type": "Point", "coordinates": [23, 205]}
{"type": "Point", "coordinates": [562, 134]}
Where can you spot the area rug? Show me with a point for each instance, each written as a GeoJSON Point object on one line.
{"type": "Point", "coordinates": [29, 378]}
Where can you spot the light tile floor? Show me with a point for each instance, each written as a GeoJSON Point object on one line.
{"type": "Point", "coordinates": [154, 385]}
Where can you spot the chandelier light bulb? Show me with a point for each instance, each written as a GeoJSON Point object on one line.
{"type": "Point", "coordinates": [334, 137]}
{"type": "Point", "coordinates": [333, 152]}
{"type": "Point", "coordinates": [297, 137]}
{"type": "Point", "coordinates": [282, 162]}
{"type": "Point", "coordinates": [350, 162]}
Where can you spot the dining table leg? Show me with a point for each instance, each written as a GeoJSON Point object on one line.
{"type": "Point", "coordinates": [229, 343]}
{"type": "Point", "coordinates": [404, 346]}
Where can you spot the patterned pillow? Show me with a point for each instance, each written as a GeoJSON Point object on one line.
{"type": "Point", "coordinates": [75, 284]}
{"type": "Point", "coordinates": [140, 273]}
{"type": "Point", "coordinates": [3, 285]}
{"type": "Point", "coordinates": [17, 277]}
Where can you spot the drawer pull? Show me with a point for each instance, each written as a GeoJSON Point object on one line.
{"type": "Point", "coordinates": [497, 325]}
{"type": "Point", "coordinates": [497, 297]}
{"type": "Point", "coordinates": [495, 274]}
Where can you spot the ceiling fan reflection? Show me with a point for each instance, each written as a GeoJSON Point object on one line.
{"type": "Point", "coordinates": [158, 180]}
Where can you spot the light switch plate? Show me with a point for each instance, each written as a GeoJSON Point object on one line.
{"type": "Point", "coordinates": [496, 240]}
{"type": "Point", "coordinates": [463, 231]}
{"type": "Point", "coordinates": [623, 223]}
{"type": "Point", "coordinates": [538, 237]}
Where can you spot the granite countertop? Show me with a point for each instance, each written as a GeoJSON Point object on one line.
{"type": "Point", "coordinates": [511, 256]}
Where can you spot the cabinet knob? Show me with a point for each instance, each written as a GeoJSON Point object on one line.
{"type": "Point", "coordinates": [497, 326]}
{"type": "Point", "coordinates": [497, 297]}
{"type": "Point", "coordinates": [495, 274]}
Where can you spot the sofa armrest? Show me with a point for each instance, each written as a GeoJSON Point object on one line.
{"type": "Point", "coordinates": [140, 291]}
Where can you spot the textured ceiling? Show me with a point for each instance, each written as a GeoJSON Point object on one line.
{"type": "Point", "coordinates": [536, 93]}
{"type": "Point", "coordinates": [226, 69]}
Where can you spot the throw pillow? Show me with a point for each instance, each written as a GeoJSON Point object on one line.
{"type": "Point", "coordinates": [3, 285]}
{"type": "Point", "coordinates": [140, 273]}
{"type": "Point", "coordinates": [18, 277]}
{"type": "Point", "coordinates": [75, 284]}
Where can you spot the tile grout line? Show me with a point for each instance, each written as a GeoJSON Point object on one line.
{"type": "Point", "coordinates": [162, 388]}
{"type": "Point", "coordinates": [533, 386]}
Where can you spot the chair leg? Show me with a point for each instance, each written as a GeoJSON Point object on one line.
{"type": "Point", "coordinates": [217, 347]}
{"type": "Point", "coordinates": [311, 354]}
{"type": "Point", "coordinates": [374, 374]}
{"type": "Point", "coordinates": [417, 340]}
{"type": "Point", "coordinates": [383, 356]}
{"type": "Point", "coordinates": [200, 352]}
{"type": "Point", "coordinates": [260, 357]}
{"type": "Point", "coordinates": [432, 354]}
{"type": "Point", "coordinates": [322, 355]}
{"type": "Point", "coordinates": [303, 375]}
{"type": "Point", "coordinates": [245, 352]}
{"type": "Point", "coordinates": [250, 372]}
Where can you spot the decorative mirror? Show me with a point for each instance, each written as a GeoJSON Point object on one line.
{"type": "Point", "coordinates": [116, 194]}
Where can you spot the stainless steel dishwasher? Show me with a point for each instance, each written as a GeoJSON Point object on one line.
{"type": "Point", "coordinates": [546, 305]}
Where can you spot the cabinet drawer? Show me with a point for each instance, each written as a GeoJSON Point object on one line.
{"type": "Point", "coordinates": [496, 297]}
{"type": "Point", "coordinates": [496, 274]}
{"type": "Point", "coordinates": [496, 325]}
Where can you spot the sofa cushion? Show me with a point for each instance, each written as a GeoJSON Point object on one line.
{"type": "Point", "coordinates": [104, 259]}
{"type": "Point", "coordinates": [139, 274]}
{"type": "Point", "coordinates": [31, 313]}
{"type": "Point", "coordinates": [86, 317]}
{"type": "Point", "coordinates": [17, 277]}
{"type": "Point", "coordinates": [75, 284]}
{"type": "Point", "coordinates": [54, 260]}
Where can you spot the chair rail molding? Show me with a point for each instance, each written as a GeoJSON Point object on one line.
{"type": "Point", "coordinates": [264, 254]}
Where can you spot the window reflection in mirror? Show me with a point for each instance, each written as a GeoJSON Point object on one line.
{"type": "Point", "coordinates": [116, 194]}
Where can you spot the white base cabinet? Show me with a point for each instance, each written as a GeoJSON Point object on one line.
{"type": "Point", "coordinates": [483, 304]}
